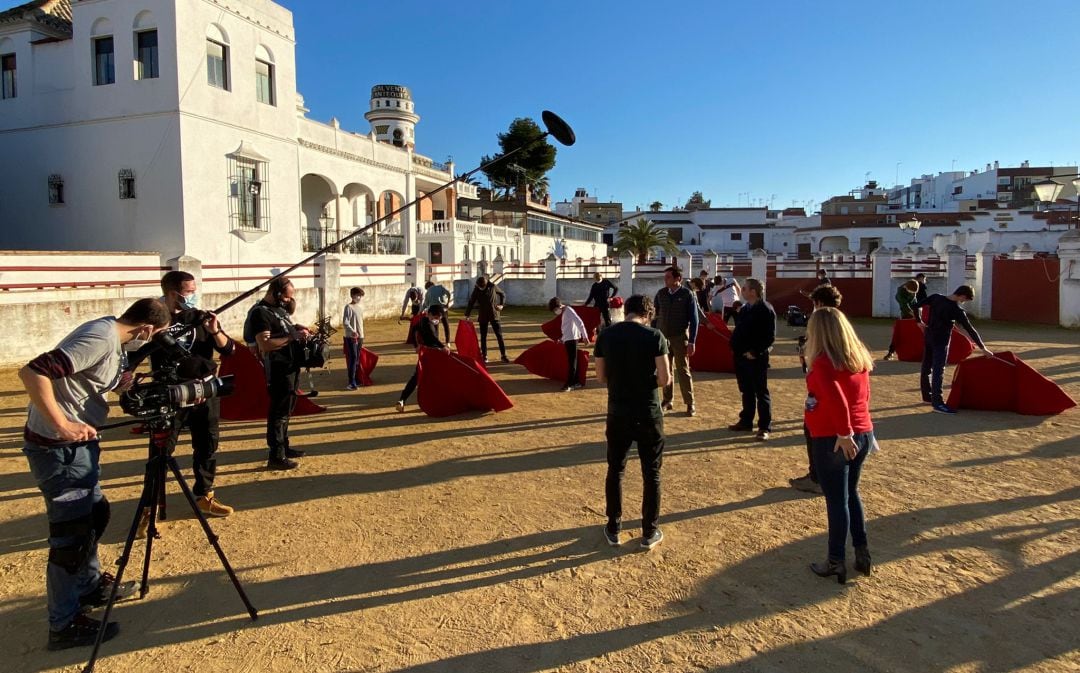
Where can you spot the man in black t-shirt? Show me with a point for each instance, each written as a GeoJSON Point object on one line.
{"type": "Point", "coordinates": [600, 295]}
{"type": "Point", "coordinates": [270, 332]}
{"type": "Point", "coordinates": [425, 335]}
{"type": "Point", "coordinates": [632, 359]}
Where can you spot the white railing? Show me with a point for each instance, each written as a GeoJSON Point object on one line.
{"type": "Point", "coordinates": [434, 226]}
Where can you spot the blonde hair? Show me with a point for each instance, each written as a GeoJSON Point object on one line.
{"type": "Point", "coordinates": [830, 332]}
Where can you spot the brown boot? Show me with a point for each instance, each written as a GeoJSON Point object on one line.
{"type": "Point", "coordinates": [211, 506]}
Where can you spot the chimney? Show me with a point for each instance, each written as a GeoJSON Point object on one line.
{"type": "Point", "coordinates": [987, 168]}
{"type": "Point", "coordinates": [995, 164]}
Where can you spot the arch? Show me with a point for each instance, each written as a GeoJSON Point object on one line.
{"type": "Point", "coordinates": [263, 53]}
{"type": "Point", "coordinates": [483, 253]}
{"type": "Point", "coordinates": [833, 244]}
{"type": "Point", "coordinates": [316, 197]}
{"type": "Point", "coordinates": [144, 20]}
{"type": "Point", "coordinates": [361, 205]}
{"type": "Point", "coordinates": [498, 252]}
{"type": "Point", "coordinates": [217, 33]}
{"type": "Point", "coordinates": [101, 27]}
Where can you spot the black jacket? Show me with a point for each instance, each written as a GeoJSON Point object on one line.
{"type": "Point", "coordinates": [486, 300]}
{"type": "Point", "coordinates": [600, 293]}
{"type": "Point", "coordinates": [755, 330]}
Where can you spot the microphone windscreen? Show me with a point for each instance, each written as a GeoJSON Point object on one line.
{"type": "Point", "coordinates": [558, 128]}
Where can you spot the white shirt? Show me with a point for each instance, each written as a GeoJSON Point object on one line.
{"type": "Point", "coordinates": [730, 295]}
{"type": "Point", "coordinates": [573, 328]}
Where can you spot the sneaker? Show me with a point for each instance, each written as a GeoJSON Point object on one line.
{"type": "Point", "coordinates": [667, 406]}
{"type": "Point", "coordinates": [81, 632]}
{"type": "Point", "coordinates": [578, 386]}
{"type": "Point", "coordinates": [612, 536]}
{"type": "Point", "coordinates": [400, 406]}
{"type": "Point", "coordinates": [691, 410]}
{"type": "Point", "coordinates": [762, 435]}
{"type": "Point", "coordinates": [211, 506]}
{"type": "Point", "coordinates": [740, 427]}
{"type": "Point", "coordinates": [281, 464]}
{"type": "Point", "coordinates": [505, 360]}
{"type": "Point", "coordinates": [944, 409]}
{"type": "Point", "coordinates": [351, 386]}
{"type": "Point", "coordinates": [656, 538]}
{"type": "Point", "coordinates": [100, 596]}
{"type": "Point", "coordinates": [294, 453]}
{"type": "Point", "coordinates": [806, 485]}
{"type": "Point", "coordinates": [566, 389]}
{"type": "Point", "coordinates": [888, 356]}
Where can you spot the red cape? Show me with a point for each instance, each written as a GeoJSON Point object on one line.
{"type": "Point", "coordinates": [548, 359]}
{"type": "Point", "coordinates": [1004, 382]}
{"type": "Point", "coordinates": [712, 351]}
{"type": "Point", "coordinates": [450, 384]}
{"type": "Point", "coordinates": [250, 402]}
{"type": "Point", "coordinates": [907, 340]}
{"type": "Point", "coordinates": [410, 338]}
{"type": "Point", "coordinates": [590, 315]}
{"type": "Point", "coordinates": [366, 365]}
{"type": "Point", "coordinates": [467, 343]}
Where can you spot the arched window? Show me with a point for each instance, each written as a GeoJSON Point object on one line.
{"type": "Point", "coordinates": [217, 57]}
{"type": "Point", "coordinates": [264, 76]}
{"type": "Point", "coordinates": [146, 45]}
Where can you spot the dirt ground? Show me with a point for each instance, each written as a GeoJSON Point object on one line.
{"type": "Point", "coordinates": [474, 543]}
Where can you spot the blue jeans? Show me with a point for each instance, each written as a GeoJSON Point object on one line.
{"type": "Point", "coordinates": [352, 359]}
{"type": "Point", "coordinates": [935, 357]}
{"type": "Point", "coordinates": [68, 479]}
{"type": "Point", "coordinates": [839, 479]}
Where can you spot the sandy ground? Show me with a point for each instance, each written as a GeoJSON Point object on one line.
{"type": "Point", "coordinates": [474, 543]}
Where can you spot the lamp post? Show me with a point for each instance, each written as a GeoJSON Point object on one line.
{"type": "Point", "coordinates": [468, 240]}
{"type": "Point", "coordinates": [1048, 190]}
{"type": "Point", "coordinates": [912, 227]}
{"type": "Point", "coordinates": [517, 245]}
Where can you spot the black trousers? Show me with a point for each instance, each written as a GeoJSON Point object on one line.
{"type": "Point", "coordinates": [282, 390]}
{"type": "Point", "coordinates": [407, 391]}
{"type": "Point", "coordinates": [729, 313]}
{"type": "Point", "coordinates": [622, 432]}
{"type": "Point", "coordinates": [202, 423]}
{"type": "Point", "coordinates": [571, 363]}
{"type": "Point", "coordinates": [753, 379]}
{"type": "Point", "coordinates": [605, 314]}
{"type": "Point", "coordinates": [497, 328]}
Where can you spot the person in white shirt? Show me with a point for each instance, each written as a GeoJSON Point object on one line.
{"type": "Point", "coordinates": [573, 333]}
{"type": "Point", "coordinates": [724, 297]}
{"type": "Point", "coordinates": [353, 321]}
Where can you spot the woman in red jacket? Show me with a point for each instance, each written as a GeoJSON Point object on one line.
{"type": "Point", "coordinates": [838, 418]}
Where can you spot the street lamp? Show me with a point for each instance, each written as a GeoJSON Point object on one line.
{"type": "Point", "coordinates": [912, 227]}
{"type": "Point", "coordinates": [468, 239]}
{"type": "Point", "coordinates": [1048, 190]}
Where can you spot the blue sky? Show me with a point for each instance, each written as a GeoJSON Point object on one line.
{"type": "Point", "coordinates": [793, 99]}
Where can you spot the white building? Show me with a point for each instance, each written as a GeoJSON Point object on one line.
{"type": "Point", "coordinates": [175, 126]}
{"type": "Point", "coordinates": [991, 187]}
{"type": "Point", "coordinates": [722, 230]}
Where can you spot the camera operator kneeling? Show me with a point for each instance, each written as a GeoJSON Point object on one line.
{"type": "Point", "coordinates": [270, 331]}
{"type": "Point", "coordinates": [67, 388]}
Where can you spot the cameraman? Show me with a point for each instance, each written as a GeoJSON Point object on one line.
{"type": "Point", "coordinates": [270, 329]}
{"type": "Point", "coordinates": [180, 296]}
{"type": "Point", "coordinates": [67, 388]}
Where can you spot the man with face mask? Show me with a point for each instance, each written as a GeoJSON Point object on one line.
{"type": "Point", "coordinates": [352, 319]}
{"type": "Point", "coordinates": [489, 301]}
{"type": "Point", "coordinates": [180, 296]}
{"type": "Point", "coordinates": [944, 311]}
{"type": "Point", "coordinates": [426, 336]}
{"type": "Point", "coordinates": [270, 331]}
{"type": "Point", "coordinates": [573, 333]}
{"type": "Point", "coordinates": [67, 388]}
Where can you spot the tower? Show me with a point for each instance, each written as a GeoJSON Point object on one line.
{"type": "Point", "coordinates": [391, 115]}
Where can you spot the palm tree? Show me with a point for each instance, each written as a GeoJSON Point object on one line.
{"type": "Point", "coordinates": [642, 236]}
{"type": "Point", "coordinates": [655, 206]}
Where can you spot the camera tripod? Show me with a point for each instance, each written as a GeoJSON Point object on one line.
{"type": "Point", "coordinates": [158, 465]}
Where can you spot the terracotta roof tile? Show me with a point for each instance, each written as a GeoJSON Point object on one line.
{"type": "Point", "coordinates": [55, 14]}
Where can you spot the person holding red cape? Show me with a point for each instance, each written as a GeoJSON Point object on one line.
{"type": "Point", "coordinates": [426, 332]}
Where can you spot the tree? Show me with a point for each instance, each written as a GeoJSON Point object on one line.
{"type": "Point", "coordinates": [642, 236]}
{"type": "Point", "coordinates": [655, 206]}
{"type": "Point", "coordinates": [697, 202]}
{"type": "Point", "coordinates": [527, 168]}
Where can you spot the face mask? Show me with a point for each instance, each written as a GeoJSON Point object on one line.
{"type": "Point", "coordinates": [435, 322]}
{"type": "Point", "coordinates": [558, 311]}
{"type": "Point", "coordinates": [135, 344]}
{"type": "Point", "coordinates": [190, 301]}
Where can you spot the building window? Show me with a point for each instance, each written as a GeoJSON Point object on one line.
{"type": "Point", "coordinates": [382, 130]}
{"type": "Point", "coordinates": [1005, 180]}
{"type": "Point", "coordinates": [127, 183]}
{"type": "Point", "coordinates": [7, 81]}
{"type": "Point", "coordinates": [264, 82]}
{"type": "Point", "coordinates": [146, 55]}
{"type": "Point", "coordinates": [217, 65]}
{"type": "Point", "coordinates": [104, 65]}
{"type": "Point", "coordinates": [736, 237]}
{"type": "Point", "coordinates": [56, 190]}
{"type": "Point", "coordinates": [249, 194]}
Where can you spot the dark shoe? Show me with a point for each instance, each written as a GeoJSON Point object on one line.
{"type": "Point", "coordinates": [654, 539]}
{"type": "Point", "coordinates": [762, 435]}
{"type": "Point", "coordinates": [566, 389]}
{"type": "Point", "coordinates": [100, 596]}
{"type": "Point", "coordinates": [888, 356]}
{"type": "Point", "coordinates": [740, 427]}
{"type": "Point", "coordinates": [505, 360]}
{"type": "Point", "coordinates": [294, 453]}
{"type": "Point", "coordinates": [830, 568]}
{"type": "Point", "coordinates": [611, 534]}
{"type": "Point", "coordinates": [281, 464]}
{"type": "Point", "coordinates": [927, 400]}
{"type": "Point", "coordinates": [666, 406]}
{"type": "Point", "coordinates": [806, 485]}
{"type": "Point", "coordinates": [578, 386]}
{"type": "Point", "coordinates": [81, 632]}
{"type": "Point", "coordinates": [691, 411]}
{"type": "Point", "coordinates": [944, 409]}
{"type": "Point", "coordinates": [863, 563]}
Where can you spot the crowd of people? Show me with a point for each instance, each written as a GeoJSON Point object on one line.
{"type": "Point", "coordinates": [639, 360]}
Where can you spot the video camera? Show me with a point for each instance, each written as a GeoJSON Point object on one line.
{"type": "Point", "coordinates": [314, 351]}
{"type": "Point", "coordinates": [179, 380]}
